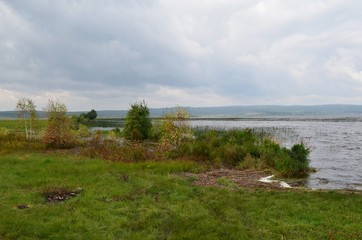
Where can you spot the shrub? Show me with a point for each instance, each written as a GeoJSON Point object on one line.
{"type": "Point", "coordinates": [175, 129]}
{"type": "Point", "coordinates": [300, 153]}
{"type": "Point", "coordinates": [138, 123]}
{"type": "Point", "coordinates": [58, 134]}
{"type": "Point", "coordinates": [293, 162]}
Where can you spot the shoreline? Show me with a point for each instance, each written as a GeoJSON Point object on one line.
{"type": "Point", "coordinates": [232, 178]}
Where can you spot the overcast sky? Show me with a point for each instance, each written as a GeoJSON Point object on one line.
{"type": "Point", "coordinates": [106, 54]}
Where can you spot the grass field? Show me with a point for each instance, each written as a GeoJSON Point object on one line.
{"type": "Point", "coordinates": [151, 200]}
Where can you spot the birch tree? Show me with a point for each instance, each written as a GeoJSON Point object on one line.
{"type": "Point", "coordinates": [27, 111]}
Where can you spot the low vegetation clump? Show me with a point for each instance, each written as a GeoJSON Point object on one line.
{"type": "Point", "coordinates": [234, 149]}
{"type": "Point", "coordinates": [244, 149]}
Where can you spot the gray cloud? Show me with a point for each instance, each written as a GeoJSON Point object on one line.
{"type": "Point", "coordinates": [107, 54]}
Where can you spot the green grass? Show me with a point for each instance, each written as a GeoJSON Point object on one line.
{"type": "Point", "coordinates": [150, 200]}
{"type": "Point", "coordinates": [18, 124]}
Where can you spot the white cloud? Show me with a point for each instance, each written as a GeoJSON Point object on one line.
{"type": "Point", "coordinates": [188, 97]}
{"type": "Point", "coordinates": [8, 99]}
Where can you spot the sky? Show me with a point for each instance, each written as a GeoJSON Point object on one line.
{"type": "Point", "coordinates": [108, 54]}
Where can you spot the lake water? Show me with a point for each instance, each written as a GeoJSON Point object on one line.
{"type": "Point", "coordinates": [335, 144]}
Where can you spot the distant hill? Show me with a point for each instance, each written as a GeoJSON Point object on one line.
{"type": "Point", "coordinates": [256, 111]}
{"type": "Point", "coordinates": [236, 111]}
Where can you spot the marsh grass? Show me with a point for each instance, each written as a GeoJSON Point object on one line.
{"type": "Point", "coordinates": [151, 200]}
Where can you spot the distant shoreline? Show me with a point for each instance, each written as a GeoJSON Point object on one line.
{"type": "Point", "coordinates": [267, 118]}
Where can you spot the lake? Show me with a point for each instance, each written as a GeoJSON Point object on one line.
{"type": "Point", "coordinates": [335, 144]}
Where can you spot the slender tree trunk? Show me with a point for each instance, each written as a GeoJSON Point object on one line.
{"type": "Point", "coordinates": [31, 132]}
{"type": "Point", "coordinates": [26, 130]}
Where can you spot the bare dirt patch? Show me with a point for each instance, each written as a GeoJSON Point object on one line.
{"type": "Point", "coordinates": [243, 178]}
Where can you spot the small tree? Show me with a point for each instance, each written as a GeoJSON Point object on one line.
{"type": "Point", "coordinates": [58, 134]}
{"type": "Point", "coordinates": [138, 123]}
{"type": "Point", "coordinates": [175, 129]}
{"type": "Point", "coordinates": [92, 114]}
{"type": "Point", "coordinates": [26, 110]}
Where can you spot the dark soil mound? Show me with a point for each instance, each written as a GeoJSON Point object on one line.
{"type": "Point", "coordinates": [60, 194]}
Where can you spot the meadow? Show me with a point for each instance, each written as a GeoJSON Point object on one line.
{"type": "Point", "coordinates": [71, 194]}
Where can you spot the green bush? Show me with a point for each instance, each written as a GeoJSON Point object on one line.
{"type": "Point", "coordinates": [300, 153]}
{"type": "Point", "coordinates": [293, 162]}
{"type": "Point", "coordinates": [138, 123]}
